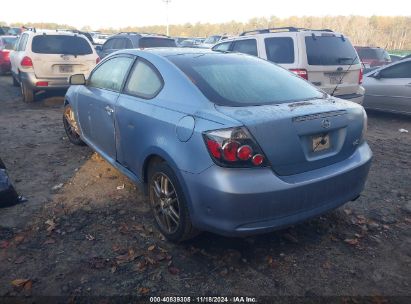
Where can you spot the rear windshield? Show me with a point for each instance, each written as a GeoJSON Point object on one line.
{"type": "Point", "coordinates": [375, 54]}
{"type": "Point", "coordinates": [152, 42]}
{"type": "Point", "coordinates": [60, 44]}
{"type": "Point", "coordinates": [242, 80]}
{"type": "Point", "coordinates": [8, 43]}
{"type": "Point", "coordinates": [330, 50]}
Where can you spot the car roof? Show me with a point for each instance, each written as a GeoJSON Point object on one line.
{"type": "Point", "coordinates": [173, 51]}
{"type": "Point", "coordinates": [53, 32]}
{"type": "Point", "coordinates": [135, 34]}
{"type": "Point", "coordinates": [308, 32]}
{"type": "Point", "coordinates": [167, 51]}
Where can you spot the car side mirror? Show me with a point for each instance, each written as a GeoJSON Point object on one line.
{"type": "Point", "coordinates": [77, 79]}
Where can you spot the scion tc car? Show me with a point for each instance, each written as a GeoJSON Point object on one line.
{"type": "Point", "coordinates": [223, 142]}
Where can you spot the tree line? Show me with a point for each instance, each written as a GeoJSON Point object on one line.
{"type": "Point", "coordinates": [393, 33]}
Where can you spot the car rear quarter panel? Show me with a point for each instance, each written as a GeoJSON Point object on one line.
{"type": "Point", "coordinates": [147, 127]}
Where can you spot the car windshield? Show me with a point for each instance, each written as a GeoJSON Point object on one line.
{"type": "Point", "coordinates": [212, 39]}
{"type": "Point", "coordinates": [375, 54]}
{"type": "Point", "coordinates": [61, 44]}
{"type": "Point", "coordinates": [8, 42]}
{"type": "Point", "coordinates": [242, 80]}
{"type": "Point", "coordinates": [330, 50]}
{"type": "Point", "coordinates": [152, 42]}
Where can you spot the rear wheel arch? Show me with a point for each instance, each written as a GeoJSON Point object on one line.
{"type": "Point", "coordinates": [157, 166]}
{"type": "Point", "coordinates": [148, 162]}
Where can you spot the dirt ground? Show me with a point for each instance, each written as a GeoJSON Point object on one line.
{"type": "Point", "coordinates": [82, 233]}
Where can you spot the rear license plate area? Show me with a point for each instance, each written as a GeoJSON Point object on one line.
{"type": "Point", "coordinates": [335, 78]}
{"type": "Point", "coordinates": [66, 69]}
{"type": "Point", "coordinates": [321, 142]}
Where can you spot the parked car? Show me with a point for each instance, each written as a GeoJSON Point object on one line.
{"type": "Point", "coordinates": [389, 88]}
{"type": "Point", "coordinates": [133, 41]}
{"type": "Point", "coordinates": [6, 45]}
{"type": "Point", "coordinates": [100, 38]}
{"type": "Point", "coordinates": [210, 41]}
{"type": "Point", "coordinates": [191, 43]}
{"type": "Point", "coordinates": [325, 58]}
{"type": "Point", "coordinates": [43, 60]}
{"type": "Point", "coordinates": [10, 31]}
{"type": "Point", "coordinates": [178, 40]}
{"type": "Point", "coordinates": [226, 143]}
{"type": "Point", "coordinates": [14, 31]}
{"type": "Point", "coordinates": [373, 56]}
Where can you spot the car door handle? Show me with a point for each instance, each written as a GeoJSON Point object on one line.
{"type": "Point", "coordinates": [109, 110]}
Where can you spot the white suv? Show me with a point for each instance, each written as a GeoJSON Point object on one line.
{"type": "Point", "coordinates": [44, 60]}
{"type": "Point", "coordinates": [325, 58]}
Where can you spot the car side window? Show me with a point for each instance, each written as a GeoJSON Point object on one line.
{"type": "Point", "coordinates": [280, 49]}
{"type": "Point", "coordinates": [248, 46]}
{"type": "Point", "coordinates": [144, 81]}
{"type": "Point", "coordinates": [400, 70]}
{"type": "Point", "coordinates": [222, 47]}
{"type": "Point", "coordinates": [110, 75]}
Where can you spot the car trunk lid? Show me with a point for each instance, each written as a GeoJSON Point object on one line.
{"type": "Point", "coordinates": [328, 78]}
{"type": "Point", "coordinates": [290, 134]}
{"type": "Point", "coordinates": [60, 65]}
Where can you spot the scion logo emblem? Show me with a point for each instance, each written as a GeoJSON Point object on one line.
{"type": "Point", "coordinates": [325, 124]}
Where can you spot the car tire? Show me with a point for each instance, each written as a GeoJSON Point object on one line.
{"type": "Point", "coordinates": [26, 93]}
{"type": "Point", "coordinates": [71, 130]}
{"type": "Point", "coordinates": [178, 228]}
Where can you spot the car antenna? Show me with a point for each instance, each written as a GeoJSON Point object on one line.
{"type": "Point", "coordinates": [342, 77]}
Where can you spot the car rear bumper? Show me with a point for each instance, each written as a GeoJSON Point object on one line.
{"type": "Point", "coordinates": [357, 97]}
{"type": "Point", "coordinates": [53, 83]}
{"type": "Point", "coordinates": [238, 202]}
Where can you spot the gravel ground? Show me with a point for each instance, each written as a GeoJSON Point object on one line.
{"type": "Point", "coordinates": [82, 233]}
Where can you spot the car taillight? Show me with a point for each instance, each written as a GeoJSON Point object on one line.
{"type": "Point", "coordinates": [26, 62]}
{"type": "Point", "coordinates": [42, 84]}
{"type": "Point", "coordinates": [234, 147]}
{"type": "Point", "coordinates": [300, 72]}
{"type": "Point", "coordinates": [98, 60]}
{"type": "Point", "coordinates": [360, 77]}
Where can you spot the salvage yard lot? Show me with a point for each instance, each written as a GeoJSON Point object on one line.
{"type": "Point", "coordinates": [86, 230]}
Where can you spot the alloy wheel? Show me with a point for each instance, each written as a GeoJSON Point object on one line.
{"type": "Point", "coordinates": [165, 203]}
{"type": "Point", "coordinates": [71, 127]}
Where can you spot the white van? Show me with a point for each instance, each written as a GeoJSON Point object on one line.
{"type": "Point", "coordinates": [325, 58]}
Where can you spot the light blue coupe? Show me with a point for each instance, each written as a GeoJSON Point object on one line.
{"type": "Point", "coordinates": [226, 143]}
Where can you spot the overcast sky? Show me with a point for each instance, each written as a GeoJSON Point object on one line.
{"type": "Point", "coordinates": [121, 13]}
